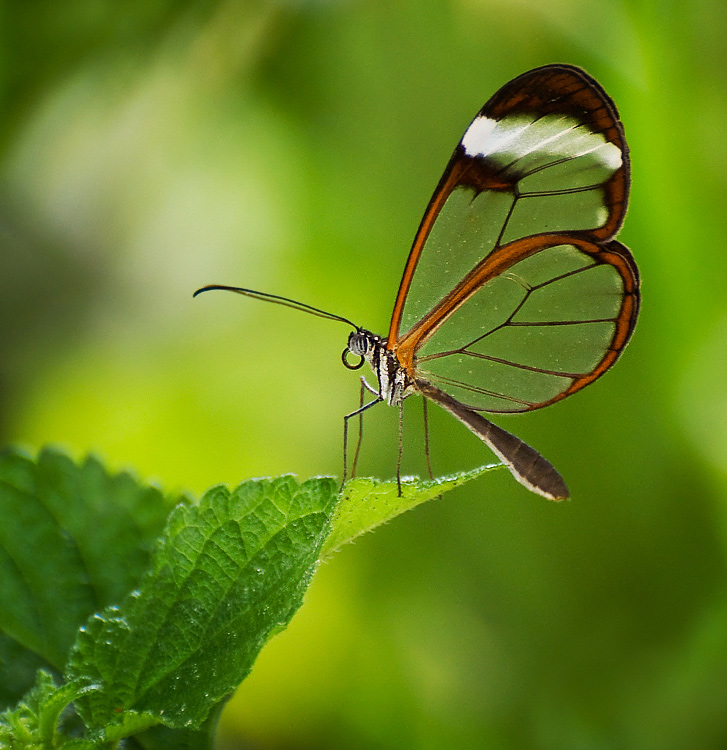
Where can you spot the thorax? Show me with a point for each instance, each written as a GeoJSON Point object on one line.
{"type": "Point", "coordinates": [394, 382]}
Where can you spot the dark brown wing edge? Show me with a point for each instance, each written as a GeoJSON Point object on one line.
{"type": "Point", "coordinates": [524, 462]}
{"type": "Point", "coordinates": [569, 90]}
{"type": "Point", "coordinates": [619, 257]}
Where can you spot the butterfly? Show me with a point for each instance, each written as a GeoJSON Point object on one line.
{"type": "Point", "coordinates": [515, 294]}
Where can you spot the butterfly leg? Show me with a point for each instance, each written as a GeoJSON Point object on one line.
{"type": "Point", "coordinates": [360, 427]}
{"type": "Point", "coordinates": [401, 442]}
{"type": "Point", "coordinates": [369, 388]}
{"type": "Point", "coordinates": [364, 387]}
{"type": "Point", "coordinates": [426, 438]}
{"type": "Point", "coordinates": [356, 413]}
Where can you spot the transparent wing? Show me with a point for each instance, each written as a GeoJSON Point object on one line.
{"type": "Point", "coordinates": [514, 294]}
{"type": "Point", "coordinates": [547, 325]}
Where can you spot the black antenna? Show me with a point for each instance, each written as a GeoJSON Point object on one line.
{"type": "Point", "coordinates": [278, 301]}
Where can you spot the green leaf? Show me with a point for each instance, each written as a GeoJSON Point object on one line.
{"type": "Point", "coordinates": [164, 738]}
{"type": "Point", "coordinates": [35, 722]}
{"type": "Point", "coordinates": [227, 574]}
{"type": "Point", "coordinates": [73, 539]}
{"type": "Point", "coordinates": [367, 503]}
{"type": "Point", "coordinates": [21, 726]}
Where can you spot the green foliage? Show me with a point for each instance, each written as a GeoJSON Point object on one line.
{"type": "Point", "coordinates": [162, 648]}
{"type": "Point", "coordinates": [227, 574]}
{"type": "Point", "coordinates": [73, 539]}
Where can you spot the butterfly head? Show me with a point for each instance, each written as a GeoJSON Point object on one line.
{"type": "Point", "coordinates": [362, 344]}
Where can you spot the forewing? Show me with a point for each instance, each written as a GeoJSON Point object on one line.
{"type": "Point", "coordinates": [514, 294]}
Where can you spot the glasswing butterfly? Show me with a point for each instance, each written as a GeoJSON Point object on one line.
{"type": "Point", "coordinates": [515, 294]}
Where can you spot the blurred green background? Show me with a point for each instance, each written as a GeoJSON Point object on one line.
{"type": "Point", "coordinates": [152, 147]}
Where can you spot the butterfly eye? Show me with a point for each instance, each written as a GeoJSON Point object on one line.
{"type": "Point", "coordinates": [351, 365]}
